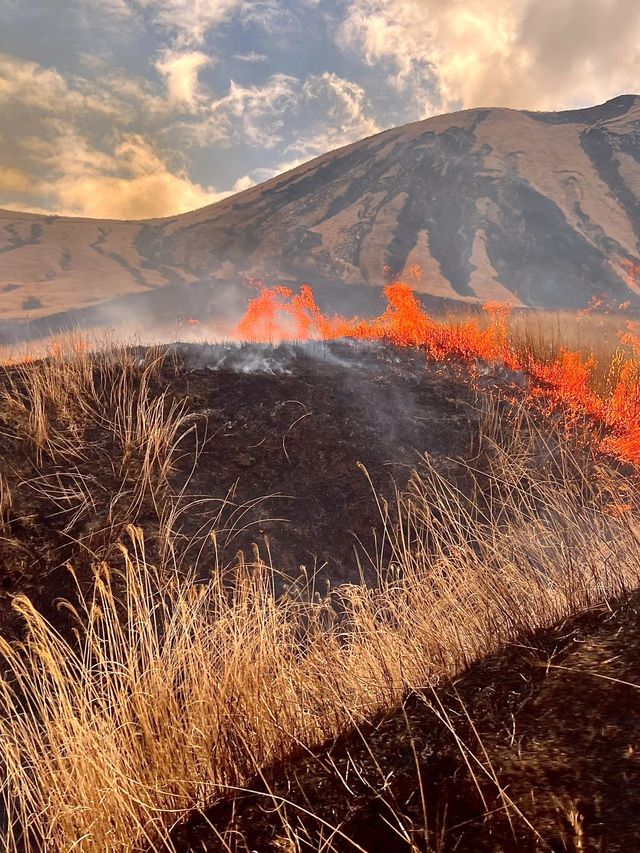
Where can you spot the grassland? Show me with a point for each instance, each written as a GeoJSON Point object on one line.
{"type": "Point", "coordinates": [162, 691]}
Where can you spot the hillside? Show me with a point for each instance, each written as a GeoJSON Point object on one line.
{"type": "Point", "coordinates": [538, 209]}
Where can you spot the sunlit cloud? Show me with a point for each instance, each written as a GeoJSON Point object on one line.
{"type": "Point", "coordinates": [180, 70]}
{"type": "Point", "coordinates": [253, 114]}
{"type": "Point", "coordinates": [14, 180]}
{"type": "Point", "coordinates": [511, 53]}
{"type": "Point", "coordinates": [252, 56]}
{"type": "Point", "coordinates": [344, 114]}
{"type": "Point", "coordinates": [188, 21]}
{"type": "Point", "coordinates": [153, 192]}
{"type": "Point", "coordinates": [131, 182]}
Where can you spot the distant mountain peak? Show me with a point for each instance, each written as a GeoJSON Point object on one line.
{"type": "Point", "coordinates": [535, 208]}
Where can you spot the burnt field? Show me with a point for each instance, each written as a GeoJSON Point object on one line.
{"type": "Point", "coordinates": [322, 596]}
{"type": "Point", "coordinates": [535, 748]}
{"type": "Point", "coordinates": [282, 447]}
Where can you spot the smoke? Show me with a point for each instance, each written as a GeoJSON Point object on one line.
{"type": "Point", "coordinates": [286, 358]}
{"type": "Point", "coordinates": [200, 311]}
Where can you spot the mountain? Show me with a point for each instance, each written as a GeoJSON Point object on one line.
{"type": "Point", "coordinates": [539, 209]}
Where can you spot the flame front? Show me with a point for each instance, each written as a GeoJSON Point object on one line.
{"type": "Point", "coordinates": [279, 314]}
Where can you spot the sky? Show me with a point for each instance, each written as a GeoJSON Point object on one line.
{"type": "Point", "coordinates": [132, 109]}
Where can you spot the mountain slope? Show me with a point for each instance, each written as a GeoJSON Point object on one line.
{"type": "Point", "coordinates": [538, 209]}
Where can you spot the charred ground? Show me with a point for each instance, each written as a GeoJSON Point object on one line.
{"type": "Point", "coordinates": [273, 450]}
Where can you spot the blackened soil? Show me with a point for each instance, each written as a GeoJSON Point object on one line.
{"type": "Point", "coordinates": [308, 425]}
{"type": "Point", "coordinates": [536, 748]}
{"type": "Point", "coordinates": [275, 452]}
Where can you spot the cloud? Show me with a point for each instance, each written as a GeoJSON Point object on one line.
{"type": "Point", "coordinates": [33, 86]}
{"type": "Point", "coordinates": [307, 116]}
{"type": "Point", "coordinates": [188, 21]}
{"type": "Point", "coordinates": [341, 101]}
{"type": "Point", "coordinates": [103, 16]}
{"type": "Point", "coordinates": [131, 182]}
{"type": "Point", "coordinates": [180, 71]}
{"type": "Point", "coordinates": [512, 53]}
{"type": "Point", "coordinates": [26, 85]}
{"type": "Point", "coordinates": [265, 173]}
{"type": "Point", "coordinates": [14, 180]}
{"type": "Point", "coordinates": [272, 15]}
{"type": "Point", "coordinates": [251, 56]}
{"type": "Point", "coordinates": [115, 10]}
{"type": "Point", "coordinates": [588, 50]}
{"type": "Point", "coordinates": [336, 112]}
{"type": "Point", "coordinates": [252, 114]}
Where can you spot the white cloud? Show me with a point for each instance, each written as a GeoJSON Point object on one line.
{"type": "Point", "coordinates": [263, 174]}
{"type": "Point", "coordinates": [251, 56]}
{"type": "Point", "coordinates": [273, 15]}
{"type": "Point", "coordinates": [14, 180]}
{"type": "Point", "coordinates": [180, 70]}
{"type": "Point", "coordinates": [39, 88]}
{"type": "Point", "coordinates": [115, 12]}
{"type": "Point", "coordinates": [514, 53]}
{"type": "Point", "coordinates": [44, 91]}
{"type": "Point", "coordinates": [336, 112]}
{"type": "Point", "coordinates": [342, 101]}
{"type": "Point", "coordinates": [585, 52]}
{"type": "Point", "coordinates": [325, 111]}
{"type": "Point", "coordinates": [188, 21]}
{"type": "Point", "coordinates": [252, 114]}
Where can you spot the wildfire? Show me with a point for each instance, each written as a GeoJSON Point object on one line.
{"type": "Point", "coordinates": [278, 313]}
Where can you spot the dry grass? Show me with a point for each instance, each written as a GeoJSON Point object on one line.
{"type": "Point", "coordinates": [58, 405]}
{"type": "Point", "coordinates": [174, 691]}
{"type": "Point", "coordinates": [545, 334]}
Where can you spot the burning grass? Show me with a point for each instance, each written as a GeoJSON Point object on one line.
{"type": "Point", "coordinates": [176, 687]}
{"type": "Point", "coordinates": [598, 379]}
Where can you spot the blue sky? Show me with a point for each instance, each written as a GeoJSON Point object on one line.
{"type": "Point", "coordinates": [140, 108]}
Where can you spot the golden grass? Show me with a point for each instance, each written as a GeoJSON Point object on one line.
{"type": "Point", "coordinates": [176, 691]}
{"type": "Point", "coordinates": [544, 334]}
{"type": "Point", "coordinates": [56, 402]}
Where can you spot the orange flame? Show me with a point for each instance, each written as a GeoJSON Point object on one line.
{"type": "Point", "coordinates": [279, 314]}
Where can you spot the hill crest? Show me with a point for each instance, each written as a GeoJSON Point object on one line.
{"type": "Point", "coordinates": [537, 209]}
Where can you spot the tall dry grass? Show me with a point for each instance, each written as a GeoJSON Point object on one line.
{"type": "Point", "coordinates": [174, 691]}
{"type": "Point", "coordinates": [89, 399]}
{"type": "Point", "coordinates": [544, 334]}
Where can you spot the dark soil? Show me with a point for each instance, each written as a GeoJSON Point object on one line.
{"type": "Point", "coordinates": [550, 729]}
{"type": "Point", "coordinates": [282, 434]}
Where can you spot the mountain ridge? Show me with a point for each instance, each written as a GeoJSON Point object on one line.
{"type": "Point", "coordinates": [539, 209]}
